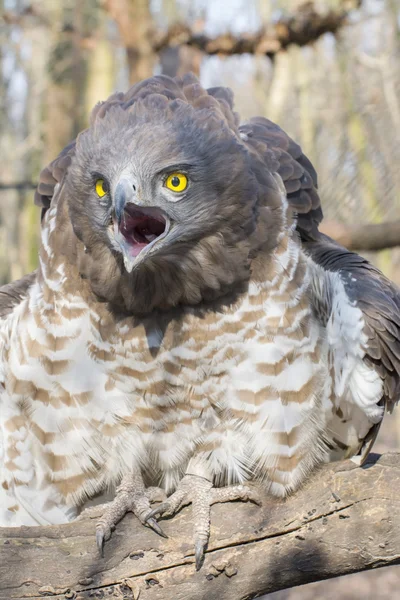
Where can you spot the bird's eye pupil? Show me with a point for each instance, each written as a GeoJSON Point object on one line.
{"type": "Point", "coordinates": [177, 182]}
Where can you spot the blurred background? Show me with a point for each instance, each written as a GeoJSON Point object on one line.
{"type": "Point", "coordinates": [328, 72]}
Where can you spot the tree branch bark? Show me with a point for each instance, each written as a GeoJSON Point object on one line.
{"type": "Point", "coordinates": [305, 25]}
{"type": "Point", "coordinates": [346, 519]}
{"type": "Point", "coordinates": [375, 236]}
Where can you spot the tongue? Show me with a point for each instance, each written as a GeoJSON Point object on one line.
{"type": "Point", "coordinates": [138, 237]}
{"type": "Point", "coordinates": [146, 231]}
{"type": "Point", "coordinates": [139, 230]}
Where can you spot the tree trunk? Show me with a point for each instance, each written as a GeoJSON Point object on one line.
{"type": "Point", "coordinates": [135, 25]}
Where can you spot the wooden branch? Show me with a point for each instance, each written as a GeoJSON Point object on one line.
{"type": "Point", "coordinates": [18, 185]}
{"type": "Point", "coordinates": [364, 237]}
{"type": "Point", "coordinates": [302, 27]}
{"type": "Point", "coordinates": [346, 519]}
{"type": "Point", "coordinates": [305, 25]}
{"type": "Point", "coordinates": [29, 13]}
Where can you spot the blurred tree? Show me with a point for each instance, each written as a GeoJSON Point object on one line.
{"type": "Point", "coordinates": [135, 23]}
{"type": "Point", "coordinates": [67, 69]}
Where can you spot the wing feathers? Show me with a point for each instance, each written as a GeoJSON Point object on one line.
{"type": "Point", "coordinates": [296, 170]}
{"type": "Point", "coordinates": [378, 299]}
{"type": "Point", "coordinates": [13, 293]}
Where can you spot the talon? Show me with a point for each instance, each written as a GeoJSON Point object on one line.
{"type": "Point", "coordinates": [152, 523]}
{"type": "Point", "coordinates": [199, 553]}
{"type": "Point", "coordinates": [100, 540]}
{"type": "Point", "coordinates": [157, 511]}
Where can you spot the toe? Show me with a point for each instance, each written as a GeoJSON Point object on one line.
{"type": "Point", "coordinates": [254, 496]}
{"type": "Point", "coordinates": [156, 494]}
{"type": "Point", "coordinates": [243, 493]}
{"type": "Point", "coordinates": [174, 503]}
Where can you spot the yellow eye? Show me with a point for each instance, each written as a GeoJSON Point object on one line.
{"type": "Point", "coordinates": [101, 188]}
{"type": "Point", "coordinates": [177, 182]}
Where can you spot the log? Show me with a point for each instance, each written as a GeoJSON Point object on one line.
{"type": "Point", "coordinates": [375, 236]}
{"type": "Point", "coordinates": [345, 519]}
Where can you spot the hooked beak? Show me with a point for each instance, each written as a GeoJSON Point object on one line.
{"type": "Point", "coordinates": [125, 192]}
{"type": "Point", "coordinates": [136, 228]}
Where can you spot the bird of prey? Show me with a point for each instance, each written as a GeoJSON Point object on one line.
{"type": "Point", "coordinates": [188, 326]}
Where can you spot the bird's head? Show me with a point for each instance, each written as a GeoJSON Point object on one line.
{"type": "Point", "coordinates": [162, 188]}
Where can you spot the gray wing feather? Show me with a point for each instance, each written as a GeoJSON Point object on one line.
{"type": "Point", "coordinates": [278, 152]}
{"type": "Point", "coordinates": [378, 299]}
{"type": "Point", "coordinates": [13, 293]}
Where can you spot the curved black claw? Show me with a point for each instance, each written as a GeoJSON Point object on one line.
{"type": "Point", "coordinates": [157, 511]}
{"type": "Point", "coordinates": [152, 523]}
{"type": "Point", "coordinates": [100, 540]}
{"type": "Point", "coordinates": [199, 553]}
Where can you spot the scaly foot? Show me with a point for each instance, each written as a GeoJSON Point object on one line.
{"type": "Point", "coordinates": [201, 494]}
{"type": "Point", "coordinates": [131, 496]}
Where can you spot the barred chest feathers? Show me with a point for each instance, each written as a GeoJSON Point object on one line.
{"type": "Point", "coordinates": [246, 390]}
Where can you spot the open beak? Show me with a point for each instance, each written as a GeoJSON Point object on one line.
{"type": "Point", "coordinates": [136, 228]}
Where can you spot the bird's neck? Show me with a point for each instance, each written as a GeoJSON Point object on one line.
{"type": "Point", "coordinates": [58, 273]}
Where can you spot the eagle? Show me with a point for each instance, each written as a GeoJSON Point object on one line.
{"type": "Point", "coordinates": [189, 333]}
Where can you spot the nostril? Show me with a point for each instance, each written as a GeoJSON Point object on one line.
{"type": "Point", "coordinates": [134, 187]}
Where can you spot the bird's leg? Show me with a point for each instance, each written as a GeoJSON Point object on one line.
{"type": "Point", "coordinates": [131, 496]}
{"type": "Point", "coordinates": [199, 491]}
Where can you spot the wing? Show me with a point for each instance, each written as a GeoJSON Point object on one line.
{"type": "Point", "coordinates": [51, 175]}
{"type": "Point", "coordinates": [10, 296]}
{"type": "Point", "coordinates": [345, 287]}
{"type": "Point", "coordinates": [379, 301]}
{"type": "Point", "coordinates": [360, 309]}
{"type": "Point", "coordinates": [278, 152]}
{"type": "Point", "coordinates": [13, 293]}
